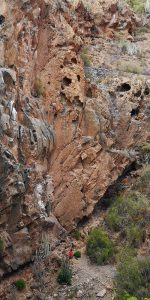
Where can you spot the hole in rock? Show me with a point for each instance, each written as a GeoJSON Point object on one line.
{"type": "Point", "coordinates": [125, 87]}
{"type": "Point", "coordinates": [77, 101]}
{"type": "Point", "coordinates": [137, 94]}
{"type": "Point", "coordinates": [89, 93]}
{"type": "Point", "coordinates": [135, 112]}
{"type": "Point", "coordinates": [78, 77]}
{"type": "Point", "coordinates": [2, 19]}
{"type": "Point", "coordinates": [61, 66]}
{"type": "Point", "coordinates": [73, 60]}
{"type": "Point", "coordinates": [94, 29]}
{"type": "Point", "coordinates": [8, 79]}
{"type": "Point", "coordinates": [49, 82]}
{"type": "Point", "coordinates": [66, 81]}
{"type": "Point", "coordinates": [146, 91]}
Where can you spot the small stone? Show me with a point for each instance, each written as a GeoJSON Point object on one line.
{"type": "Point", "coordinates": [79, 294]}
{"type": "Point", "coordinates": [29, 295]}
{"type": "Point", "coordinates": [55, 295]}
{"type": "Point", "coordinates": [102, 293]}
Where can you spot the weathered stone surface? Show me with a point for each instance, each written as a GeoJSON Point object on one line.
{"type": "Point", "coordinates": [64, 138]}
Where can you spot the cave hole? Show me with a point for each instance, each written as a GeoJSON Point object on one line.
{"type": "Point", "coordinates": [2, 19]}
{"type": "Point", "coordinates": [94, 30]}
{"type": "Point", "coordinates": [49, 82]}
{"type": "Point", "coordinates": [78, 77]}
{"type": "Point", "coordinates": [61, 66]}
{"type": "Point", "coordinates": [146, 91]}
{"type": "Point", "coordinates": [77, 101]}
{"type": "Point", "coordinates": [73, 60]}
{"type": "Point", "coordinates": [34, 135]}
{"type": "Point", "coordinates": [125, 87]}
{"type": "Point", "coordinates": [89, 93]}
{"type": "Point", "coordinates": [137, 94]}
{"type": "Point", "coordinates": [8, 79]}
{"type": "Point", "coordinates": [66, 81]}
{"type": "Point", "coordinates": [135, 112]}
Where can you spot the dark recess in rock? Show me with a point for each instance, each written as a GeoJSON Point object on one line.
{"type": "Point", "coordinates": [146, 91]}
{"type": "Point", "coordinates": [66, 81]}
{"type": "Point", "coordinates": [2, 19]}
{"type": "Point", "coordinates": [135, 112]}
{"type": "Point", "coordinates": [125, 87]}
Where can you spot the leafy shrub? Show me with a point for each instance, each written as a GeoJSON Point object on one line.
{"type": "Point", "coordinates": [2, 246]}
{"type": "Point", "coordinates": [20, 284]}
{"type": "Point", "coordinates": [134, 235]}
{"type": "Point", "coordinates": [142, 184]}
{"type": "Point", "coordinates": [99, 246]}
{"type": "Point", "coordinates": [133, 278]}
{"type": "Point", "coordinates": [85, 57]}
{"type": "Point", "coordinates": [126, 296]}
{"type": "Point", "coordinates": [129, 48]}
{"type": "Point", "coordinates": [137, 5]}
{"type": "Point", "coordinates": [145, 153]}
{"type": "Point", "coordinates": [127, 210]}
{"type": "Point", "coordinates": [76, 235]}
{"type": "Point", "coordinates": [65, 274]}
{"type": "Point", "coordinates": [77, 254]}
{"type": "Point", "coordinates": [38, 88]}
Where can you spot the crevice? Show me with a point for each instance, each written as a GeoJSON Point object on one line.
{"type": "Point", "coordinates": [114, 189]}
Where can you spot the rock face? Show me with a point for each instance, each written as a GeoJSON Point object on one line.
{"type": "Point", "coordinates": [64, 139]}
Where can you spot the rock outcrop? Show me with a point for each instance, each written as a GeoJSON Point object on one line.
{"type": "Point", "coordinates": [64, 138]}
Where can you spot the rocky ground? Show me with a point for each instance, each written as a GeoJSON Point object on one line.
{"type": "Point", "coordinates": [89, 281]}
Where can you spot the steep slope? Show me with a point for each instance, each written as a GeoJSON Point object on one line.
{"type": "Point", "coordinates": [64, 138]}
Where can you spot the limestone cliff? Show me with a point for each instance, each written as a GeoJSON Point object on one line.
{"type": "Point", "coordinates": [65, 134]}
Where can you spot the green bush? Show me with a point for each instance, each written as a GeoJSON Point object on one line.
{"type": "Point", "coordinates": [126, 296]}
{"type": "Point", "coordinates": [146, 148]}
{"type": "Point", "coordinates": [133, 278]}
{"type": "Point", "coordinates": [2, 246]}
{"type": "Point", "coordinates": [129, 215]}
{"type": "Point", "coordinates": [77, 254]}
{"type": "Point", "coordinates": [65, 274]}
{"type": "Point", "coordinates": [20, 284]}
{"type": "Point", "coordinates": [76, 235]}
{"type": "Point", "coordinates": [85, 57]}
{"type": "Point", "coordinates": [99, 246]}
{"type": "Point", "coordinates": [134, 235]}
{"type": "Point", "coordinates": [113, 219]}
{"type": "Point", "coordinates": [137, 5]}
{"type": "Point", "coordinates": [142, 184]}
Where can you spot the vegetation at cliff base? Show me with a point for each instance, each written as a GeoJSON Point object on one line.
{"type": "Point", "coordinates": [65, 274]}
{"type": "Point", "coordinates": [77, 254]}
{"type": "Point", "coordinates": [99, 246]}
{"type": "Point", "coordinates": [77, 235]}
{"type": "Point", "coordinates": [20, 284]}
{"type": "Point", "coordinates": [129, 215]}
{"type": "Point", "coordinates": [137, 5]}
{"type": "Point", "coordinates": [133, 278]}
